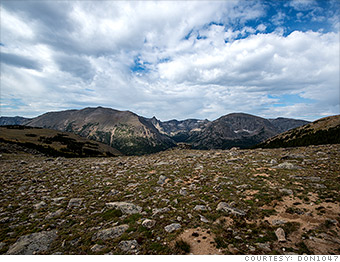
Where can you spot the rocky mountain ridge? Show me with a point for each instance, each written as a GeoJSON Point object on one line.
{"type": "Point", "coordinates": [323, 131]}
{"type": "Point", "coordinates": [132, 134]}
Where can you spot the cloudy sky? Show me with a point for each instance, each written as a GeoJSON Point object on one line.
{"type": "Point", "coordinates": [171, 59]}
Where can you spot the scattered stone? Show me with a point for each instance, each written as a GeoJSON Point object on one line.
{"type": "Point", "coordinates": [322, 186]}
{"type": "Point", "coordinates": [32, 243]}
{"type": "Point", "coordinates": [286, 191]}
{"type": "Point", "coordinates": [113, 192]}
{"type": "Point", "coordinates": [54, 214]}
{"type": "Point", "coordinates": [40, 205]}
{"type": "Point", "coordinates": [125, 207]}
{"type": "Point", "coordinates": [273, 162]}
{"type": "Point", "coordinates": [264, 247]}
{"type": "Point", "coordinates": [97, 248]}
{"type": "Point", "coordinates": [5, 220]}
{"type": "Point", "coordinates": [252, 249]}
{"type": "Point", "coordinates": [162, 180]}
{"type": "Point", "coordinates": [200, 208]}
{"type": "Point", "coordinates": [128, 245]}
{"type": "Point", "coordinates": [310, 178]}
{"type": "Point", "coordinates": [227, 208]}
{"type": "Point", "coordinates": [179, 218]}
{"type": "Point", "coordinates": [57, 199]}
{"type": "Point", "coordinates": [232, 249]}
{"type": "Point", "coordinates": [110, 233]}
{"type": "Point", "coordinates": [277, 222]}
{"type": "Point", "coordinates": [280, 234]}
{"type": "Point", "coordinates": [155, 211]}
{"type": "Point", "coordinates": [183, 191]}
{"type": "Point", "coordinates": [148, 223]}
{"type": "Point", "coordinates": [287, 165]}
{"type": "Point", "coordinates": [75, 202]}
{"type": "Point", "coordinates": [203, 219]}
{"type": "Point", "coordinates": [2, 244]}
{"type": "Point", "coordinates": [172, 227]}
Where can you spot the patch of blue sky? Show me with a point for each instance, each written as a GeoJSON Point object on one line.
{"type": "Point", "coordinates": [290, 99]}
{"type": "Point", "coordinates": [12, 103]}
{"type": "Point", "coordinates": [139, 65]}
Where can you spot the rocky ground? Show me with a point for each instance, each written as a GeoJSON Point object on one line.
{"type": "Point", "coordinates": [263, 201]}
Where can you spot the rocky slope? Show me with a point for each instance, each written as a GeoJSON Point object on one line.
{"type": "Point", "coordinates": [284, 124]}
{"type": "Point", "coordinates": [234, 130]}
{"type": "Point", "coordinates": [52, 142]}
{"type": "Point", "coordinates": [263, 201]}
{"type": "Point", "coordinates": [180, 131]}
{"type": "Point", "coordinates": [16, 120]}
{"type": "Point", "coordinates": [322, 131]}
{"type": "Point", "coordinates": [134, 135]}
{"type": "Point", "coordinates": [123, 130]}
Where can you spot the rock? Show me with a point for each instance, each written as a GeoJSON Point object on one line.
{"type": "Point", "coordinates": [110, 233]}
{"type": "Point", "coordinates": [32, 243]}
{"type": "Point", "coordinates": [162, 180]}
{"type": "Point", "coordinates": [183, 191]}
{"type": "Point", "coordinates": [287, 165]}
{"type": "Point", "coordinates": [125, 207]}
{"type": "Point", "coordinates": [227, 208]}
{"type": "Point", "coordinates": [172, 227]}
{"type": "Point", "coordinates": [179, 218]}
{"type": "Point", "coordinates": [148, 223]}
{"type": "Point", "coordinates": [203, 219]}
{"type": "Point", "coordinates": [322, 186]}
{"type": "Point", "coordinates": [252, 249]}
{"type": "Point", "coordinates": [286, 191]}
{"type": "Point", "coordinates": [200, 208]}
{"type": "Point", "coordinates": [280, 234]}
{"type": "Point", "coordinates": [75, 202]}
{"type": "Point", "coordinates": [277, 222]}
{"type": "Point", "coordinates": [310, 178]}
{"type": "Point", "coordinates": [2, 244]}
{"type": "Point", "coordinates": [113, 192]}
{"type": "Point", "coordinates": [232, 249]}
{"type": "Point", "coordinates": [54, 214]}
{"type": "Point", "coordinates": [273, 162]}
{"type": "Point", "coordinates": [40, 205]}
{"type": "Point", "coordinates": [57, 199]}
{"type": "Point", "coordinates": [97, 248]}
{"type": "Point", "coordinates": [264, 247]}
{"type": "Point", "coordinates": [128, 245]}
{"type": "Point", "coordinates": [160, 210]}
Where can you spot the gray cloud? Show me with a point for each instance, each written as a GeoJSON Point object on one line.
{"type": "Point", "coordinates": [169, 59]}
{"type": "Point", "coordinates": [75, 65]}
{"type": "Point", "coordinates": [20, 61]}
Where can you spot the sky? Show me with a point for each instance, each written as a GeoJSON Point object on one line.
{"type": "Point", "coordinates": [171, 59]}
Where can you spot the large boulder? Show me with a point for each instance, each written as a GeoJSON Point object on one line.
{"type": "Point", "coordinates": [125, 207]}
{"type": "Point", "coordinates": [32, 243]}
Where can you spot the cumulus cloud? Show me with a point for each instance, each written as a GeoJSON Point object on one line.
{"type": "Point", "coordinates": [168, 59]}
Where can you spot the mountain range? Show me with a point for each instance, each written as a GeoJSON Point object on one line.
{"type": "Point", "coordinates": [132, 134]}
{"type": "Point", "coordinates": [323, 131]}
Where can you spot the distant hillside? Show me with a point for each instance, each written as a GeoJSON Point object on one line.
{"type": "Point", "coordinates": [285, 124]}
{"type": "Point", "coordinates": [132, 134]}
{"type": "Point", "coordinates": [53, 143]}
{"type": "Point", "coordinates": [234, 130]}
{"type": "Point", "coordinates": [180, 131]}
{"type": "Point", "coordinates": [323, 131]}
{"type": "Point", "coordinates": [16, 120]}
{"type": "Point", "coordinates": [124, 130]}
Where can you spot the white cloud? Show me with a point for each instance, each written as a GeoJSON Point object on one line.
{"type": "Point", "coordinates": [192, 60]}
